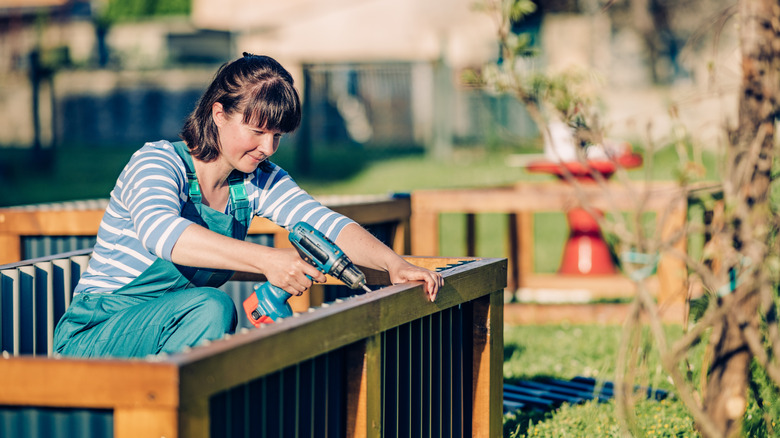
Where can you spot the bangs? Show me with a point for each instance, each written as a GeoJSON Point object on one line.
{"type": "Point", "coordinates": [273, 105]}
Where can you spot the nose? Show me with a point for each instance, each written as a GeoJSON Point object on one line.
{"type": "Point", "coordinates": [267, 145]}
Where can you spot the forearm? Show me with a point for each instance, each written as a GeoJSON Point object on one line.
{"type": "Point", "coordinates": [200, 247]}
{"type": "Point", "coordinates": [366, 250]}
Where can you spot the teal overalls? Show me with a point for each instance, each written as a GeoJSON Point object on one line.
{"type": "Point", "coordinates": [167, 307]}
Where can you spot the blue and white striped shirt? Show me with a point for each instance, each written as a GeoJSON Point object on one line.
{"type": "Point", "coordinates": [143, 219]}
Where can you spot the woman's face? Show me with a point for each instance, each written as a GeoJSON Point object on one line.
{"type": "Point", "coordinates": [244, 146]}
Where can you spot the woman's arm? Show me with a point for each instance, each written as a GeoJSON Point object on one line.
{"type": "Point", "coordinates": [284, 268]}
{"type": "Point", "coordinates": [366, 250]}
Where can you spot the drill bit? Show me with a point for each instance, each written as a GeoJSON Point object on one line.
{"type": "Point", "coordinates": [365, 288]}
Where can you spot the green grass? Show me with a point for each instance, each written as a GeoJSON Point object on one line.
{"type": "Point", "coordinates": [566, 351]}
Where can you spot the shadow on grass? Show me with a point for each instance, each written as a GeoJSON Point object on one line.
{"type": "Point", "coordinates": [511, 349]}
{"type": "Point", "coordinates": [518, 423]}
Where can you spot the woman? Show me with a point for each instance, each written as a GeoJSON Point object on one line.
{"type": "Point", "coordinates": [176, 222]}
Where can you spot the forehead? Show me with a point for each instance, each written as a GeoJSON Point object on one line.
{"type": "Point", "coordinates": [254, 127]}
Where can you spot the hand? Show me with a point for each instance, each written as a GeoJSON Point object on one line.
{"type": "Point", "coordinates": [287, 270]}
{"type": "Point", "coordinates": [405, 271]}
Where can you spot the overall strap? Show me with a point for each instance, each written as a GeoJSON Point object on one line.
{"type": "Point", "coordinates": [238, 196]}
{"type": "Point", "coordinates": [192, 179]}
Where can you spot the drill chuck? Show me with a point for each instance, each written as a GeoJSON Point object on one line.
{"type": "Point", "coordinates": [349, 274]}
{"type": "Point", "coordinates": [269, 302]}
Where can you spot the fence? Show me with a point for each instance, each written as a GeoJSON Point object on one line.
{"type": "Point", "coordinates": [388, 363]}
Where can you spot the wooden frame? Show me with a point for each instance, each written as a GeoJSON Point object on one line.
{"type": "Point", "coordinates": [169, 396]}
{"type": "Point", "coordinates": [83, 219]}
{"type": "Point", "coordinates": [523, 199]}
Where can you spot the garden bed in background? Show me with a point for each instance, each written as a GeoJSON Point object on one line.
{"type": "Point", "coordinates": [580, 313]}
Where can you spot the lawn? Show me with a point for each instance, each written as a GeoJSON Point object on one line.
{"type": "Point", "coordinates": [567, 351]}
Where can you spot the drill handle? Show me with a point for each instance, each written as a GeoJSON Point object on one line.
{"type": "Point", "coordinates": [267, 304]}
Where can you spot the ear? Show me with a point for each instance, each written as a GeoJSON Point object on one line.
{"type": "Point", "coordinates": [218, 114]}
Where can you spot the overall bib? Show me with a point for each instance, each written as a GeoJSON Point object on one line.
{"type": "Point", "coordinates": [168, 307]}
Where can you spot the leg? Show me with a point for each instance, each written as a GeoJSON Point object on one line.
{"type": "Point", "coordinates": [166, 324]}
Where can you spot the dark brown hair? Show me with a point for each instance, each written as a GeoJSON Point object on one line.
{"type": "Point", "coordinates": [256, 85]}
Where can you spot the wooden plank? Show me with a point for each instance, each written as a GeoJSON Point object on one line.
{"type": "Point", "coordinates": [579, 313]}
{"type": "Point", "coordinates": [51, 222]}
{"type": "Point", "coordinates": [424, 226]}
{"type": "Point", "coordinates": [402, 243]}
{"type": "Point", "coordinates": [10, 248]}
{"type": "Point", "coordinates": [552, 196]}
{"type": "Point", "coordinates": [364, 383]}
{"type": "Point", "coordinates": [145, 423]}
{"type": "Point", "coordinates": [521, 248]}
{"type": "Point", "coordinates": [488, 357]}
{"type": "Point", "coordinates": [526, 252]}
{"type": "Point", "coordinates": [261, 225]}
{"type": "Point", "coordinates": [597, 286]}
{"type": "Point", "coordinates": [194, 420]}
{"type": "Point", "coordinates": [28, 381]}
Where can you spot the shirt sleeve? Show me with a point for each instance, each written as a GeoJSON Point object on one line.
{"type": "Point", "coordinates": [152, 191]}
{"type": "Point", "coordinates": [281, 200]}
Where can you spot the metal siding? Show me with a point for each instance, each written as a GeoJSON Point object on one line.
{"type": "Point", "coordinates": [446, 374]}
{"type": "Point", "coordinates": [427, 372]}
{"type": "Point", "coordinates": [34, 247]}
{"type": "Point", "coordinates": [429, 363]}
{"type": "Point", "coordinates": [437, 360]}
{"type": "Point", "coordinates": [389, 380]}
{"type": "Point", "coordinates": [32, 300]}
{"type": "Point", "coordinates": [467, 347]}
{"type": "Point", "coordinates": [31, 422]}
{"type": "Point", "coordinates": [303, 400]}
{"type": "Point", "coordinates": [403, 422]}
{"type": "Point", "coordinates": [24, 312]}
{"type": "Point", "coordinates": [8, 281]}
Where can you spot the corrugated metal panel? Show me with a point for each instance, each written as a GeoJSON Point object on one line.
{"type": "Point", "coordinates": [304, 400]}
{"type": "Point", "coordinates": [33, 297]}
{"type": "Point", "coordinates": [29, 422]}
{"type": "Point", "coordinates": [34, 247]}
{"type": "Point", "coordinates": [430, 403]}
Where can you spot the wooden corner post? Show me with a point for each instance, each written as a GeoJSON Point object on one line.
{"type": "Point", "coordinates": [488, 370]}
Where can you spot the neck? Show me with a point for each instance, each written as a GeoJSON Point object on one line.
{"type": "Point", "coordinates": [211, 175]}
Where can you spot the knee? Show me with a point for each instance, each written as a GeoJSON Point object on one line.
{"type": "Point", "coordinates": [216, 309]}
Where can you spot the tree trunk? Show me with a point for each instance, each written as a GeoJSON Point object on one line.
{"type": "Point", "coordinates": [748, 182]}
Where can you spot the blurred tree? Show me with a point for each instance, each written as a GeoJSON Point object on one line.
{"type": "Point", "coordinates": [737, 337]}
{"type": "Point", "coordinates": [124, 10]}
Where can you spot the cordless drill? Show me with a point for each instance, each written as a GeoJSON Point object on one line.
{"type": "Point", "coordinates": [269, 302]}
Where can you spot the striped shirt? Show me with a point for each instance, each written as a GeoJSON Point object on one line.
{"type": "Point", "coordinates": [143, 219]}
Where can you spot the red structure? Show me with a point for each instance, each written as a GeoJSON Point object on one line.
{"type": "Point", "coordinates": [585, 252]}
